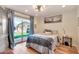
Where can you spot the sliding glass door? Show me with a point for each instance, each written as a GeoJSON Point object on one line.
{"type": "Point", "coordinates": [17, 29]}
{"type": "Point", "coordinates": [21, 29]}
{"type": "Point", "coordinates": [26, 29]}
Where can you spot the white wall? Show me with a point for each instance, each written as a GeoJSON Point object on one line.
{"type": "Point", "coordinates": [78, 25]}
{"type": "Point", "coordinates": [3, 33]}
{"type": "Point", "coordinates": [69, 24]}
{"type": "Point", "coordinates": [38, 23]}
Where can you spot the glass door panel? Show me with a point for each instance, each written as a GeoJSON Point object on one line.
{"type": "Point", "coordinates": [21, 29]}
{"type": "Point", "coordinates": [17, 29]}
{"type": "Point", "coordinates": [26, 29]}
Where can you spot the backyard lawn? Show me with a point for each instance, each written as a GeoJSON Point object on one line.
{"type": "Point", "coordinates": [19, 35]}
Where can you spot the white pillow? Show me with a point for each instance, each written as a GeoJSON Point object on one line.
{"type": "Point", "coordinates": [48, 33]}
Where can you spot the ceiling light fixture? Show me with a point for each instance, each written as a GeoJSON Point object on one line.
{"type": "Point", "coordinates": [39, 8]}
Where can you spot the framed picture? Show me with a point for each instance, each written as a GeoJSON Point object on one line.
{"type": "Point", "coordinates": [53, 19]}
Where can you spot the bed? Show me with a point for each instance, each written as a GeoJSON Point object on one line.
{"type": "Point", "coordinates": [42, 43]}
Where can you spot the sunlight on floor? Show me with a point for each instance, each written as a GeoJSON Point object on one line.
{"type": "Point", "coordinates": [22, 49]}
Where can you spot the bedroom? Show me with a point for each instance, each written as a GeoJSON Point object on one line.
{"type": "Point", "coordinates": [54, 20]}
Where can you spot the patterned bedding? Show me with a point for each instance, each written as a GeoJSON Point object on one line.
{"type": "Point", "coordinates": [41, 43]}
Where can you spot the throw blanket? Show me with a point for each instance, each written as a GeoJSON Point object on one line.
{"type": "Point", "coordinates": [41, 40]}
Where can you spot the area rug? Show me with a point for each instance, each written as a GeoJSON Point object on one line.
{"type": "Point", "coordinates": [7, 52]}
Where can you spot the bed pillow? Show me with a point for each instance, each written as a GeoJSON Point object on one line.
{"type": "Point", "coordinates": [48, 33]}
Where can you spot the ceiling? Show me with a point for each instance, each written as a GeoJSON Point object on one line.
{"type": "Point", "coordinates": [49, 10]}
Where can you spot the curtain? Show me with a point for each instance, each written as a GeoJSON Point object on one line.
{"type": "Point", "coordinates": [31, 24]}
{"type": "Point", "coordinates": [10, 27]}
